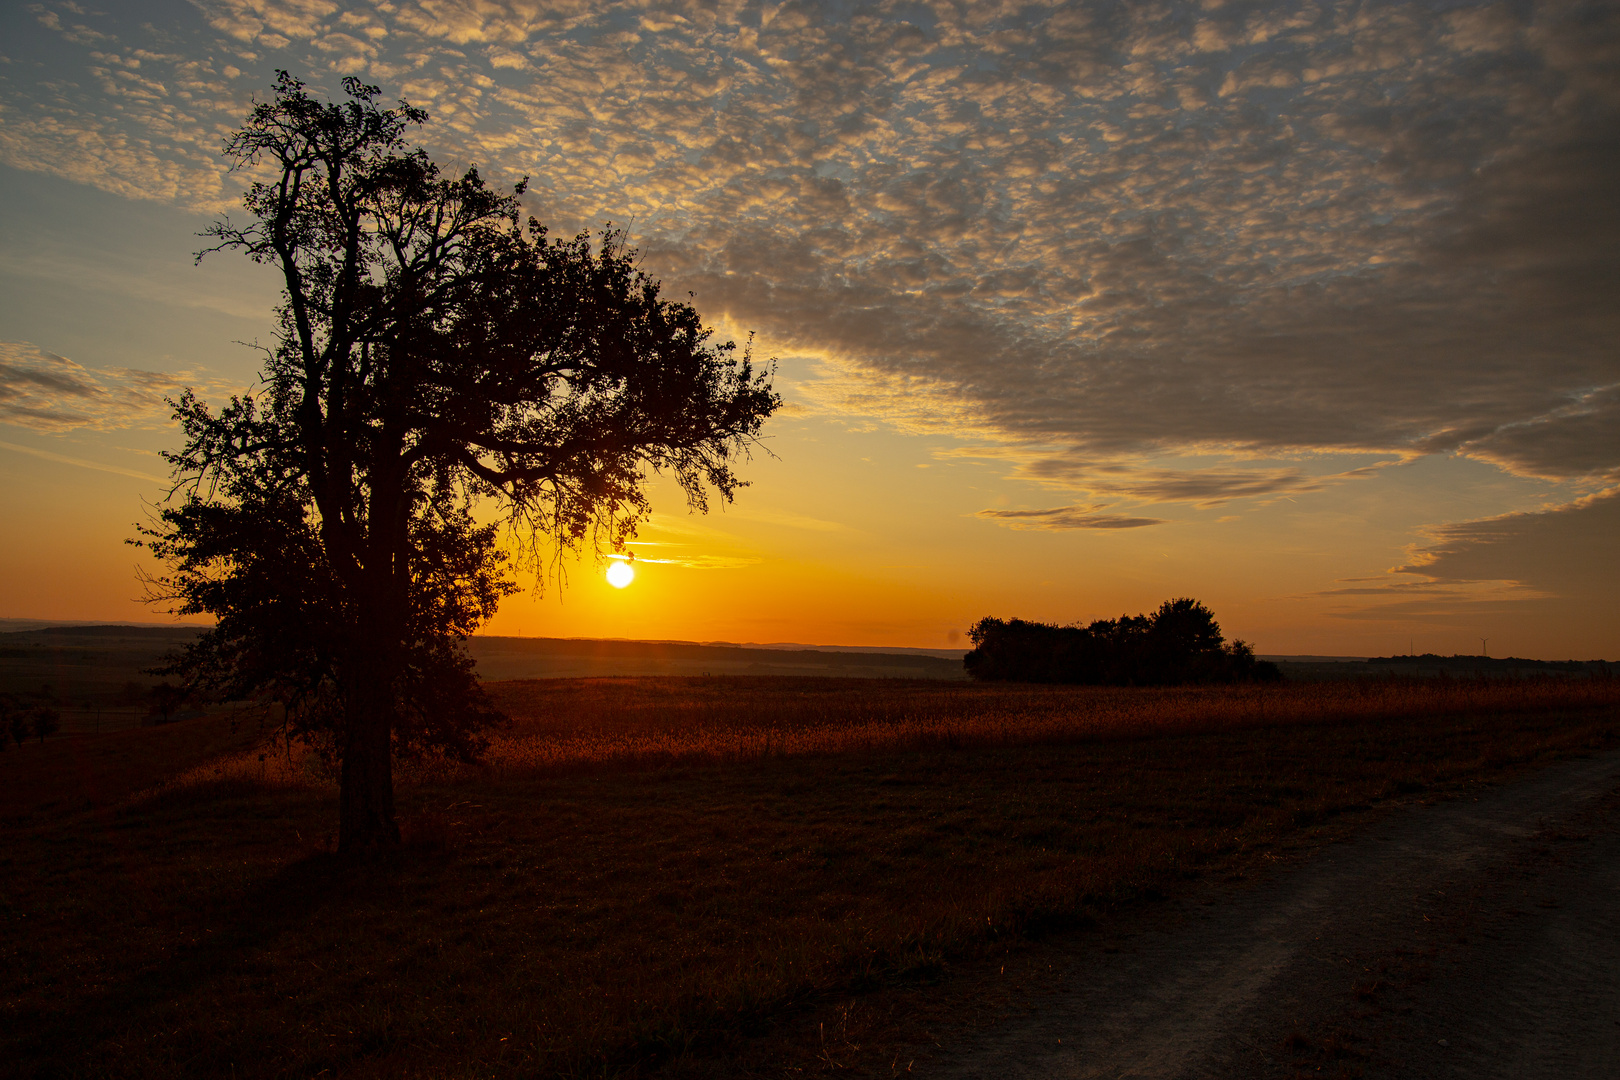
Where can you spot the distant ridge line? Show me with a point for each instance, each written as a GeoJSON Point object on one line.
{"type": "Point", "coordinates": [775, 646]}
{"type": "Point", "coordinates": [499, 657]}
{"type": "Point", "coordinates": [30, 626]}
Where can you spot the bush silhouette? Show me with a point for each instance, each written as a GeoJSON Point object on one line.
{"type": "Point", "coordinates": [1179, 643]}
{"type": "Point", "coordinates": [21, 718]}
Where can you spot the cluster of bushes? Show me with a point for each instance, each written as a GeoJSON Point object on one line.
{"type": "Point", "coordinates": [1179, 643]}
{"type": "Point", "coordinates": [25, 715]}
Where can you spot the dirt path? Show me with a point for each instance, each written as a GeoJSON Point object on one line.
{"type": "Point", "coordinates": [1478, 938]}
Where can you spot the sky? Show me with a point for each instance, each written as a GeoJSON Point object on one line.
{"type": "Point", "coordinates": [1310, 310]}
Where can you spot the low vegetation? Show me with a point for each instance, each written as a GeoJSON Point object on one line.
{"type": "Point", "coordinates": [661, 875]}
{"type": "Point", "coordinates": [24, 715]}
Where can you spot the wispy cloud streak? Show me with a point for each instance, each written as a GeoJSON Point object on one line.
{"type": "Point", "coordinates": [1062, 518]}
{"type": "Point", "coordinates": [83, 463]}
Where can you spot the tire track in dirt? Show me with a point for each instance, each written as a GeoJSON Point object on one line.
{"type": "Point", "coordinates": [1492, 923]}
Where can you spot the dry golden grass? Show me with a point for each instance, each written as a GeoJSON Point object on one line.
{"type": "Point", "coordinates": [562, 724]}
{"type": "Point", "coordinates": [652, 873]}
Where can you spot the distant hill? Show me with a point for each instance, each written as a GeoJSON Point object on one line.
{"type": "Point", "coordinates": [94, 674]}
{"type": "Point", "coordinates": [1432, 665]}
{"type": "Point", "coordinates": [94, 665]}
{"type": "Point", "coordinates": [24, 626]}
{"type": "Point", "coordinates": [799, 646]}
{"type": "Point", "coordinates": [540, 658]}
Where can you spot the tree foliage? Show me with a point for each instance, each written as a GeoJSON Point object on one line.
{"type": "Point", "coordinates": [1179, 643]}
{"type": "Point", "coordinates": [23, 715]}
{"type": "Point", "coordinates": [435, 352]}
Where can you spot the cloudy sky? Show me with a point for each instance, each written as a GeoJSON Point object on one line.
{"type": "Point", "coordinates": [1308, 310]}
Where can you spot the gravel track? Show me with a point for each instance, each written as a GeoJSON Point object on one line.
{"type": "Point", "coordinates": [1474, 938]}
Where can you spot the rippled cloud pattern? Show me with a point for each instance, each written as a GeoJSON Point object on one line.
{"type": "Point", "coordinates": [1100, 240]}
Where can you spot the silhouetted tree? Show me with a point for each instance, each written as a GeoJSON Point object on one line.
{"type": "Point", "coordinates": [165, 699]}
{"type": "Point", "coordinates": [21, 717]}
{"type": "Point", "coordinates": [46, 721]}
{"type": "Point", "coordinates": [433, 351]}
{"type": "Point", "coordinates": [13, 721]}
{"type": "Point", "coordinates": [1179, 643]}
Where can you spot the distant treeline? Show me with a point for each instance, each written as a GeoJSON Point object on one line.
{"type": "Point", "coordinates": [1179, 643]}
{"type": "Point", "coordinates": [1498, 664]}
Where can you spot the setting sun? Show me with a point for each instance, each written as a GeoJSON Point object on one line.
{"type": "Point", "coordinates": [620, 574]}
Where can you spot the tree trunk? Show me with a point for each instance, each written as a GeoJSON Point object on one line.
{"type": "Point", "coordinates": [366, 793]}
{"type": "Point", "coordinates": [372, 674]}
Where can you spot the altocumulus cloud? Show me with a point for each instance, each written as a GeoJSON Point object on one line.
{"type": "Point", "coordinates": [1101, 238]}
{"type": "Point", "coordinates": [46, 392]}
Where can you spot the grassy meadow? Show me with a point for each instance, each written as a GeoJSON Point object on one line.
{"type": "Point", "coordinates": [674, 876]}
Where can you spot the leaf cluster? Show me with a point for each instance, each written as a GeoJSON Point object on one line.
{"type": "Point", "coordinates": [246, 548]}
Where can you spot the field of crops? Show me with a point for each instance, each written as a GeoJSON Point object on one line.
{"type": "Point", "coordinates": [560, 725]}
{"type": "Point", "coordinates": [563, 723]}
{"type": "Point", "coordinates": [677, 877]}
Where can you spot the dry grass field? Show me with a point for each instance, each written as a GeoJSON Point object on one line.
{"type": "Point", "coordinates": [664, 876]}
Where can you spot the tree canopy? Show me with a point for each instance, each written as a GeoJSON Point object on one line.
{"type": "Point", "coordinates": [435, 352]}
{"type": "Point", "coordinates": [1179, 643]}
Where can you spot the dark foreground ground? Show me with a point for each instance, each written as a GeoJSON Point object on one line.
{"type": "Point", "coordinates": [958, 894]}
{"type": "Point", "coordinates": [1476, 938]}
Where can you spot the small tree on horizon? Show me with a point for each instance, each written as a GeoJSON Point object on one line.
{"type": "Point", "coordinates": [46, 721]}
{"type": "Point", "coordinates": [434, 350]}
{"type": "Point", "coordinates": [165, 699]}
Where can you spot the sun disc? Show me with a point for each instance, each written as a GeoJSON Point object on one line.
{"type": "Point", "coordinates": [620, 574]}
